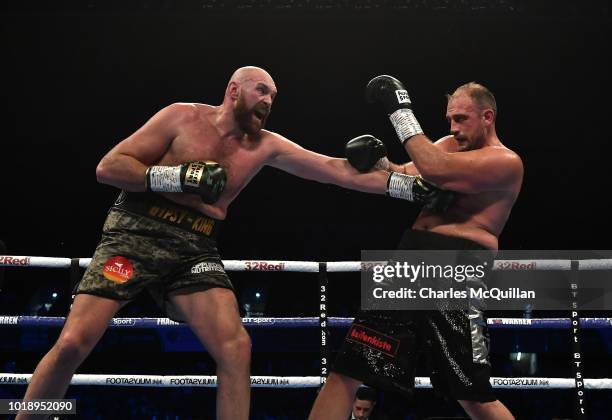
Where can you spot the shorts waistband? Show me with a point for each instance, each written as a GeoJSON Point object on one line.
{"type": "Point", "coordinates": [158, 208]}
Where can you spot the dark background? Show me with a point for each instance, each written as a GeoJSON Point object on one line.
{"type": "Point", "coordinates": [78, 77]}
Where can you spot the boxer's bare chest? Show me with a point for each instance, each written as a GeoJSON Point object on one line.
{"type": "Point", "coordinates": [241, 158]}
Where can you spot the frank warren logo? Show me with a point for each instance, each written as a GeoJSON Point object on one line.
{"type": "Point", "coordinates": [204, 267]}
{"type": "Point", "coordinates": [9, 320]}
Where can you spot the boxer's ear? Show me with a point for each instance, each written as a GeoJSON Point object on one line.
{"type": "Point", "coordinates": [233, 90]}
{"type": "Point", "coordinates": [488, 116]}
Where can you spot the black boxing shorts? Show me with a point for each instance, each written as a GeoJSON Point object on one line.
{"type": "Point", "coordinates": [382, 348]}
{"type": "Point", "coordinates": [149, 242]}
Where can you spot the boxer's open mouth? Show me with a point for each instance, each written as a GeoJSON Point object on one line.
{"type": "Point", "coordinates": [260, 113]}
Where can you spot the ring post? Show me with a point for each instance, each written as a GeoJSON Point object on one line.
{"type": "Point", "coordinates": [323, 325]}
{"type": "Point", "coordinates": [577, 359]}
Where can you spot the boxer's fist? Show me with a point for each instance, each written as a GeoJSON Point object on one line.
{"type": "Point", "coordinates": [440, 201]}
{"type": "Point", "coordinates": [206, 179]}
{"type": "Point", "coordinates": [391, 93]}
{"type": "Point", "coordinates": [366, 152]}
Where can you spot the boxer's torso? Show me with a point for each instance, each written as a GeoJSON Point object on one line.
{"type": "Point", "coordinates": [199, 139]}
{"type": "Point", "coordinates": [479, 217]}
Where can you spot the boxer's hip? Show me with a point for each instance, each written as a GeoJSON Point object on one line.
{"type": "Point", "coordinates": [160, 210]}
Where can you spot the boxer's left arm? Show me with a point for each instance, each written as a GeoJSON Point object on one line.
{"type": "Point", "coordinates": [298, 161]}
{"type": "Point", "coordinates": [307, 164]}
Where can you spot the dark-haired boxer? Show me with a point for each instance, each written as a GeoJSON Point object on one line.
{"type": "Point", "coordinates": [179, 173]}
{"type": "Point", "coordinates": [487, 177]}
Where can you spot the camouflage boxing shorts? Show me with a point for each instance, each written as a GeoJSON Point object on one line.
{"type": "Point", "coordinates": [151, 243]}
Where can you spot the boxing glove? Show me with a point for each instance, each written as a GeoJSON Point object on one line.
{"type": "Point", "coordinates": [416, 189]}
{"type": "Point", "coordinates": [366, 152]}
{"type": "Point", "coordinates": [391, 93]}
{"type": "Point", "coordinates": [206, 179]}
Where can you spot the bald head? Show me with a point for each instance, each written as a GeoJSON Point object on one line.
{"type": "Point", "coordinates": [480, 95]}
{"type": "Point", "coordinates": [247, 73]}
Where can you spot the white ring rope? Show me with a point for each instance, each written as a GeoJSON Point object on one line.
{"type": "Point", "coordinates": [288, 381]}
{"type": "Point", "coordinates": [313, 266]}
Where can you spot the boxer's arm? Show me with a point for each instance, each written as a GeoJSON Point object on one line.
{"type": "Point", "coordinates": [446, 144]}
{"type": "Point", "coordinates": [304, 163]}
{"type": "Point", "coordinates": [406, 168]}
{"type": "Point", "coordinates": [125, 165]}
{"type": "Point", "coordinates": [470, 172]}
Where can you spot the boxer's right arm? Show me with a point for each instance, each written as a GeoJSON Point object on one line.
{"type": "Point", "coordinates": [446, 144]}
{"type": "Point", "coordinates": [126, 164]}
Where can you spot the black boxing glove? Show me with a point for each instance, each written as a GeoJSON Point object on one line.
{"type": "Point", "coordinates": [366, 152]}
{"type": "Point", "coordinates": [206, 179]}
{"type": "Point", "coordinates": [440, 202]}
{"type": "Point", "coordinates": [391, 93]}
{"type": "Point", "coordinates": [416, 189]}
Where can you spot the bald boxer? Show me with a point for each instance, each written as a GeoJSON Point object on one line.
{"type": "Point", "coordinates": [488, 176]}
{"type": "Point", "coordinates": [179, 173]}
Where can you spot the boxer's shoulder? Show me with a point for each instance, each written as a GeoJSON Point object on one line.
{"type": "Point", "coordinates": [497, 154]}
{"type": "Point", "coordinates": [272, 139]}
{"type": "Point", "coordinates": [508, 158]}
{"type": "Point", "coordinates": [273, 144]}
{"type": "Point", "coordinates": [190, 111]}
{"type": "Point", "coordinates": [448, 144]}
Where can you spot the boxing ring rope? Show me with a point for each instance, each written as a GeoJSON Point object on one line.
{"type": "Point", "coordinates": [313, 266]}
{"type": "Point", "coordinates": [302, 322]}
{"type": "Point", "coordinates": [288, 381]}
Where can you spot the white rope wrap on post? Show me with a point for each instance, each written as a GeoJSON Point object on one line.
{"type": "Point", "coordinates": [84, 262]}
{"type": "Point", "coordinates": [158, 381]}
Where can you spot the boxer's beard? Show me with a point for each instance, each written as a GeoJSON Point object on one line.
{"type": "Point", "coordinates": [471, 142]}
{"type": "Point", "coordinates": [478, 140]}
{"type": "Point", "coordinates": [244, 118]}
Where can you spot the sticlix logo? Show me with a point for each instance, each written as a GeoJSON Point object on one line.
{"type": "Point", "coordinates": [118, 269]}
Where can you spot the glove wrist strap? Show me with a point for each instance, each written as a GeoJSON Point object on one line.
{"type": "Point", "coordinates": [405, 124]}
{"type": "Point", "coordinates": [164, 179]}
{"type": "Point", "coordinates": [400, 186]}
